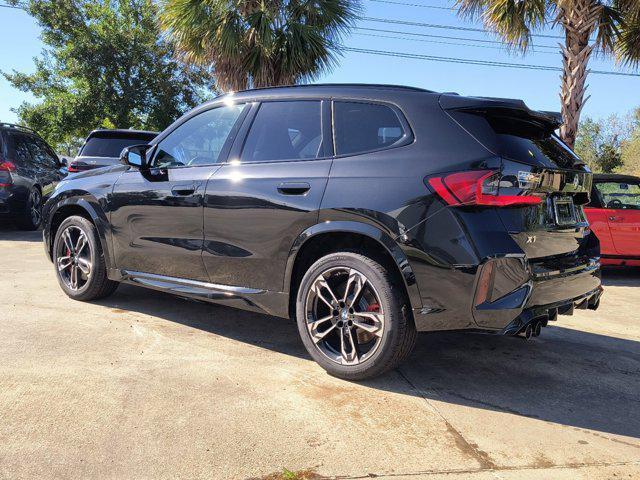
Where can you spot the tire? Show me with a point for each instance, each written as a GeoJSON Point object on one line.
{"type": "Point", "coordinates": [85, 256]}
{"type": "Point", "coordinates": [394, 332]}
{"type": "Point", "coordinates": [31, 218]}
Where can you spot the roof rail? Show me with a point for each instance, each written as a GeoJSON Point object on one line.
{"type": "Point", "coordinates": [346, 85]}
{"type": "Point", "coordinates": [17, 127]}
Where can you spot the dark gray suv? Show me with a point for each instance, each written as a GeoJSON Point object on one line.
{"type": "Point", "coordinates": [29, 170]}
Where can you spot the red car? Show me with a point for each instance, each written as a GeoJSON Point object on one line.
{"type": "Point", "coordinates": [614, 215]}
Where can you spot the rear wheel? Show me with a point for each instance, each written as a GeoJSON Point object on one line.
{"type": "Point", "coordinates": [79, 261]}
{"type": "Point", "coordinates": [31, 218]}
{"type": "Point", "coordinates": [353, 320]}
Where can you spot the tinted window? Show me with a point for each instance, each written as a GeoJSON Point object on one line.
{"type": "Point", "coordinates": [42, 154]}
{"type": "Point", "coordinates": [110, 146]}
{"type": "Point", "coordinates": [198, 141]}
{"type": "Point", "coordinates": [21, 151]}
{"type": "Point", "coordinates": [621, 195]}
{"type": "Point", "coordinates": [519, 138]}
{"type": "Point", "coordinates": [363, 127]}
{"type": "Point", "coordinates": [285, 131]}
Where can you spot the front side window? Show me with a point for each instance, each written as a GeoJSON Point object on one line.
{"type": "Point", "coordinates": [365, 127]}
{"type": "Point", "coordinates": [619, 195]}
{"type": "Point", "coordinates": [285, 131]}
{"type": "Point", "coordinates": [198, 141]}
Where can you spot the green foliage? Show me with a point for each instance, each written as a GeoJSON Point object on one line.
{"type": "Point", "coordinates": [631, 149]}
{"type": "Point", "coordinates": [257, 43]}
{"type": "Point", "coordinates": [105, 64]}
{"type": "Point", "coordinates": [611, 144]}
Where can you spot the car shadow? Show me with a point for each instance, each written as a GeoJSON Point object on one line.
{"type": "Point", "coordinates": [9, 232]}
{"type": "Point", "coordinates": [621, 276]}
{"type": "Point", "coordinates": [565, 376]}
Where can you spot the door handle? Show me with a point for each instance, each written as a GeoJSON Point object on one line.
{"type": "Point", "coordinates": [294, 188]}
{"type": "Point", "coordinates": [183, 190]}
{"type": "Point", "coordinates": [616, 219]}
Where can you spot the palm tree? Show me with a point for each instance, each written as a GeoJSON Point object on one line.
{"type": "Point", "coordinates": [258, 43]}
{"type": "Point", "coordinates": [604, 27]}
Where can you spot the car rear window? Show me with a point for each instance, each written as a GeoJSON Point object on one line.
{"type": "Point", "coordinates": [365, 127]}
{"type": "Point", "coordinates": [518, 138]}
{"type": "Point", "coordinates": [110, 146]}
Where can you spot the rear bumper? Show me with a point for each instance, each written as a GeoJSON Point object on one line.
{"type": "Point", "coordinates": [512, 291]}
{"type": "Point", "coordinates": [12, 201]}
{"type": "Point", "coordinates": [589, 300]}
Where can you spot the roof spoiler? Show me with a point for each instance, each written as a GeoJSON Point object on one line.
{"type": "Point", "coordinates": [513, 106]}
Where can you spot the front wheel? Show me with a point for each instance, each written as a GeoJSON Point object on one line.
{"type": "Point", "coordinates": [79, 261]}
{"type": "Point", "coordinates": [353, 319]}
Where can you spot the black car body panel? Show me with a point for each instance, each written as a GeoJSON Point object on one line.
{"type": "Point", "coordinates": [234, 231]}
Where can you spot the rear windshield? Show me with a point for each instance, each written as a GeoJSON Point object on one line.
{"type": "Point", "coordinates": [111, 146]}
{"type": "Point", "coordinates": [519, 139]}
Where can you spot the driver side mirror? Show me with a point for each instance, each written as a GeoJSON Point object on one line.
{"type": "Point", "coordinates": [135, 156]}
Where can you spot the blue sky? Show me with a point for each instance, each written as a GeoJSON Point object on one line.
{"type": "Point", "coordinates": [19, 37]}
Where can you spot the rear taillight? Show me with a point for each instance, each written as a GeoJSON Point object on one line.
{"type": "Point", "coordinates": [73, 168]}
{"type": "Point", "coordinates": [477, 187]}
{"type": "Point", "coordinates": [6, 167]}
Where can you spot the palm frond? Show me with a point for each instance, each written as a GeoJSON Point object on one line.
{"type": "Point", "coordinates": [260, 42]}
{"type": "Point", "coordinates": [512, 20]}
{"type": "Point", "coordinates": [627, 48]}
{"type": "Point", "coordinates": [608, 28]}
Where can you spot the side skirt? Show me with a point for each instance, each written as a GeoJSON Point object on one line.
{"type": "Point", "coordinates": [244, 298]}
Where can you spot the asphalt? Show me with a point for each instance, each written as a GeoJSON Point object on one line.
{"type": "Point", "coordinates": [146, 385]}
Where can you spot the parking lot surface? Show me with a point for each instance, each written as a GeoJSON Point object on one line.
{"type": "Point", "coordinates": [146, 385]}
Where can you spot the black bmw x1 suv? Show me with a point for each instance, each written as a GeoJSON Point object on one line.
{"type": "Point", "coordinates": [365, 212]}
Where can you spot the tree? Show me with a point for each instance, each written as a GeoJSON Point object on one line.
{"type": "Point", "coordinates": [105, 64]}
{"type": "Point", "coordinates": [602, 144]}
{"type": "Point", "coordinates": [631, 148]}
{"type": "Point", "coordinates": [615, 24]}
{"type": "Point", "coordinates": [258, 43]}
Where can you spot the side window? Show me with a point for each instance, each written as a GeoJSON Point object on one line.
{"type": "Point", "coordinates": [365, 127]}
{"type": "Point", "coordinates": [285, 131]}
{"type": "Point", "coordinates": [21, 151]}
{"type": "Point", "coordinates": [198, 141]}
{"type": "Point", "coordinates": [41, 153]}
{"type": "Point", "coordinates": [619, 195]}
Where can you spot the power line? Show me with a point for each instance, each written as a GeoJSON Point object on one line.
{"type": "Point", "coordinates": [447, 37]}
{"type": "Point", "coordinates": [469, 61]}
{"type": "Point", "coordinates": [446, 27]}
{"type": "Point", "coordinates": [442, 42]}
{"type": "Point", "coordinates": [405, 4]}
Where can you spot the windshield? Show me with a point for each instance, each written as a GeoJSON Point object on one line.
{"type": "Point", "coordinates": [111, 146]}
{"type": "Point", "coordinates": [621, 195]}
